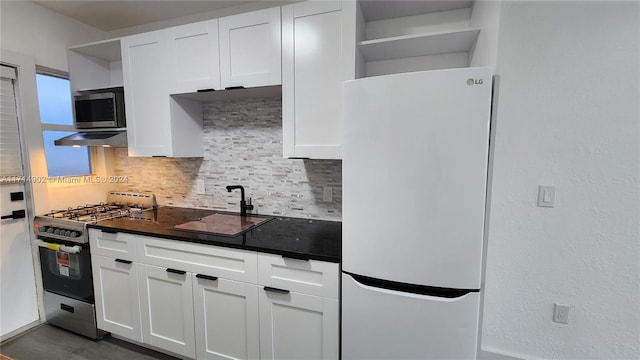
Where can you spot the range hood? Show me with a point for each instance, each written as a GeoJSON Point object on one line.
{"type": "Point", "coordinates": [95, 138]}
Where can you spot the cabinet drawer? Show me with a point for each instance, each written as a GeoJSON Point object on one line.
{"type": "Point", "coordinates": [232, 264]}
{"type": "Point", "coordinates": [112, 244]}
{"type": "Point", "coordinates": [311, 277]}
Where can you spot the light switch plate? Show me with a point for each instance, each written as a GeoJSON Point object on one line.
{"type": "Point", "coordinates": [546, 196]}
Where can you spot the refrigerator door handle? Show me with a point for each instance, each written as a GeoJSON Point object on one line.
{"type": "Point", "coordinates": [403, 289]}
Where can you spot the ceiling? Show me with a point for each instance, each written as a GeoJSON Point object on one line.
{"type": "Point", "coordinates": [122, 14]}
{"type": "Point", "coordinates": [116, 15]}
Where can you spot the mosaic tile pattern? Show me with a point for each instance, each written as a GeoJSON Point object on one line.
{"type": "Point", "coordinates": [243, 146]}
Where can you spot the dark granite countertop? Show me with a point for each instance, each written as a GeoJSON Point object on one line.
{"type": "Point", "coordinates": [293, 237]}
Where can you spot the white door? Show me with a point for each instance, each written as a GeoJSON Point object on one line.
{"type": "Point", "coordinates": [146, 94]}
{"type": "Point", "coordinates": [226, 318]}
{"type": "Point", "coordinates": [312, 77]}
{"type": "Point", "coordinates": [115, 282]}
{"type": "Point", "coordinates": [194, 57]}
{"type": "Point", "coordinates": [414, 176]}
{"type": "Point", "coordinates": [297, 326]}
{"type": "Point", "coordinates": [166, 301]}
{"type": "Point", "coordinates": [18, 297]}
{"type": "Point", "coordinates": [386, 324]}
{"type": "Point", "coordinates": [250, 49]}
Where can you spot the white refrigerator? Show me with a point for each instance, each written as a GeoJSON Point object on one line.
{"type": "Point", "coordinates": [414, 190]}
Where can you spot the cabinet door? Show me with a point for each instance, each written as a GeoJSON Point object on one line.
{"type": "Point", "coordinates": [312, 76]}
{"type": "Point", "coordinates": [115, 284]}
{"type": "Point", "coordinates": [250, 49]}
{"type": "Point", "coordinates": [194, 57]}
{"type": "Point", "coordinates": [297, 326]}
{"type": "Point", "coordinates": [146, 94]}
{"type": "Point", "coordinates": [166, 300]}
{"type": "Point", "coordinates": [226, 319]}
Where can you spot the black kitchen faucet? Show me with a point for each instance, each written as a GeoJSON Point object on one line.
{"type": "Point", "coordinates": [243, 204]}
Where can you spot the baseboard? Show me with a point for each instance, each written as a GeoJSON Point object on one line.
{"type": "Point", "coordinates": [19, 331]}
{"type": "Point", "coordinates": [493, 354]}
{"type": "Point", "coordinates": [146, 349]}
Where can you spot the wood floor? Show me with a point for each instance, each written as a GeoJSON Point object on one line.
{"type": "Point", "coordinates": [51, 343]}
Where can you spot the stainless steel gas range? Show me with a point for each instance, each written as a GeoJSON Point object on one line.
{"type": "Point", "coordinates": [65, 258]}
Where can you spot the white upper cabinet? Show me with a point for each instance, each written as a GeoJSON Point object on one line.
{"type": "Point", "coordinates": [157, 124]}
{"type": "Point", "coordinates": [95, 66]}
{"type": "Point", "coordinates": [318, 40]}
{"type": "Point", "coordinates": [144, 72]}
{"type": "Point", "coordinates": [194, 59]}
{"type": "Point", "coordinates": [250, 49]}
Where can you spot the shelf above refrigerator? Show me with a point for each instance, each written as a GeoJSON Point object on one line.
{"type": "Point", "coordinates": [433, 43]}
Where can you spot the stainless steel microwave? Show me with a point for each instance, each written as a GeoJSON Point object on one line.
{"type": "Point", "coordinates": [100, 109]}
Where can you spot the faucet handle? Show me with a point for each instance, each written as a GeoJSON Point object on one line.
{"type": "Point", "coordinates": [249, 205]}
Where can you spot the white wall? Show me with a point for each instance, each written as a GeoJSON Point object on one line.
{"type": "Point", "coordinates": [43, 35]}
{"type": "Point", "coordinates": [31, 29]}
{"type": "Point", "coordinates": [567, 115]}
{"type": "Point", "coordinates": [485, 15]}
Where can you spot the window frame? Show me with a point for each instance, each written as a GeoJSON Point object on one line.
{"type": "Point", "coordinates": [43, 70]}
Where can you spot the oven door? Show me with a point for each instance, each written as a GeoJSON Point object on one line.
{"type": "Point", "coordinates": [67, 274]}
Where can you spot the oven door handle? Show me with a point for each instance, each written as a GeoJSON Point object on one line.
{"type": "Point", "coordinates": [57, 247]}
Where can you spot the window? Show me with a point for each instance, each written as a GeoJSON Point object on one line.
{"type": "Point", "coordinates": [56, 118]}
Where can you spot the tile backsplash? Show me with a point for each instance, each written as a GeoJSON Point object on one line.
{"type": "Point", "coordinates": [243, 146]}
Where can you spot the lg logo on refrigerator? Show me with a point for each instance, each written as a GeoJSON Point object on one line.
{"type": "Point", "coordinates": [474, 82]}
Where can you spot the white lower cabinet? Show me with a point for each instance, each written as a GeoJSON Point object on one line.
{"type": "Point", "coordinates": [226, 318]}
{"type": "Point", "coordinates": [206, 302]}
{"type": "Point", "coordinates": [166, 301]}
{"type": "Point", "coordinates": [297, 326]}
{"type": "Point", "coordinates": [115, 283]}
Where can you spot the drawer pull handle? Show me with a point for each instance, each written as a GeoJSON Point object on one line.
{"type": "Point", "coordinates": [67, 308]}
{"type": "Point", "coordinates": [124, 261]}
{"type": "Point", "coordinates": [110, 231]}
{"type": "Point", "coordinates": [275, 290]}
{"type": "Point", "coordinates": [207, 277]}
{"type": "Point", "coordinates": [15, 214]}
{"type": "Point", "coordinates": [174, 271]}
{"type": "Point", "coordinates": [296, 257]}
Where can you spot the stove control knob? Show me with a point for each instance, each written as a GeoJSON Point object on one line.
{"type": "Point", "coordinates": [50, 230]}
{"type": "Point", "coordinates": [56, 231]}
{"type": "Point", "coordinates": [43, 229]}
{"type": "Point", "coordinates": [73, 234]}
{"type": "Point", "coordinates": [67, 233]}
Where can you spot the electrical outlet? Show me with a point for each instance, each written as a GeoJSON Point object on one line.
{"type": "Point", "coordinates": [327, 194]}
{"type": "Point", "coordinates": [200, 187]}
{"type": "Point", "coordinates": [561, 313]}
